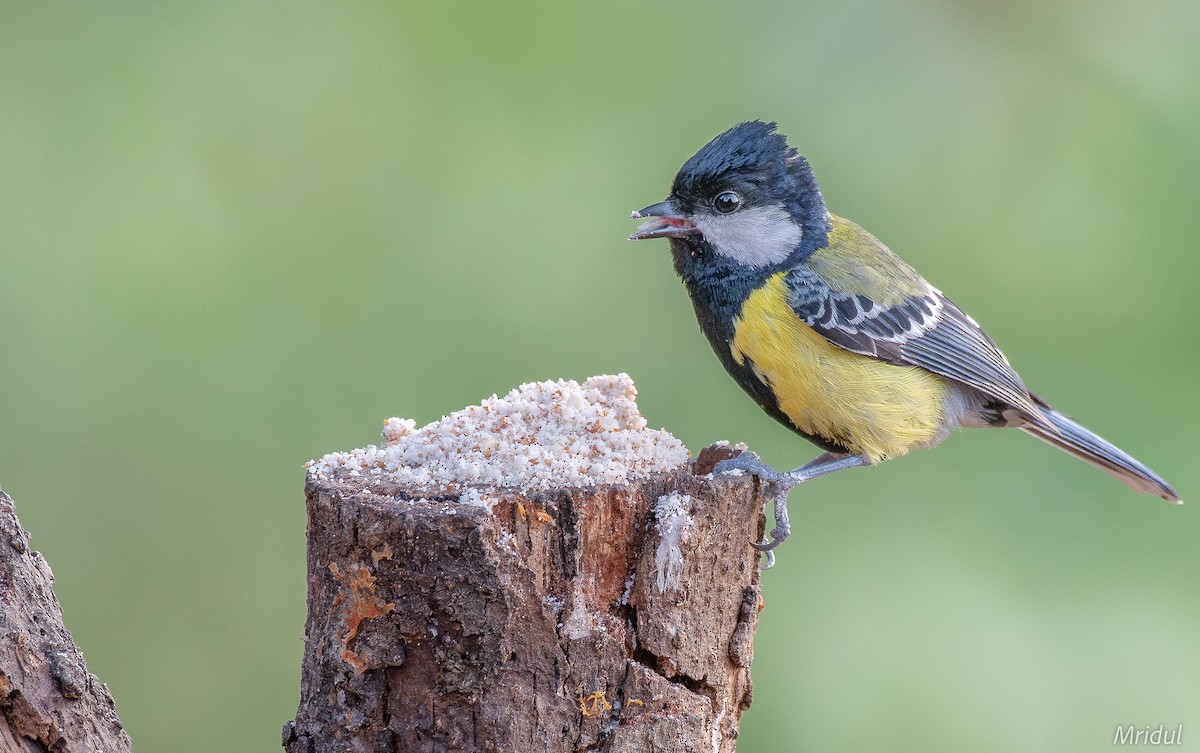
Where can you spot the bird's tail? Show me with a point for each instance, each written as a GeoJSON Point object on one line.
{"type": "Point", "coordinates": [1070, 437]}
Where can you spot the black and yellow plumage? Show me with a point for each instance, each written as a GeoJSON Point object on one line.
{"type": "Point", "coordinates": [829, 331]}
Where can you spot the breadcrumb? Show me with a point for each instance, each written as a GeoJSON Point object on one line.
{"type": "Point", "coordinates": [541, 435]}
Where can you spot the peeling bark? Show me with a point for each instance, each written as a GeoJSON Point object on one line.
{"type": "Point", "coordinates": [48, 699]}
{"type": "Point", "coordinates": [537, 627]}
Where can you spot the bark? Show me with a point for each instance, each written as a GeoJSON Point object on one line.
{"type": "Point", "coordinates": [570, 620]}
{"type": "Point", "coordinates": [48, 699]}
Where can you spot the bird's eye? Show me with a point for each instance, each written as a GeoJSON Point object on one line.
{"type": "Point", "coordinates": [727, 202]}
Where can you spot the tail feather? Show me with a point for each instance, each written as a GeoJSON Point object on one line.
{"type": "Point", "coordinates": [1067, 435]}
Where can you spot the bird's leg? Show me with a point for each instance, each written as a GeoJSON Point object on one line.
{"type": "Point", "coordinates": [779, 485]}
{"type": "Point", "coordinates": [824, 464]}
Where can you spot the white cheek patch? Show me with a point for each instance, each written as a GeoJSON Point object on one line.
{"type": "Point", "coordinates": [757, 237]}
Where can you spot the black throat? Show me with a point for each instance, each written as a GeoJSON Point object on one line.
{"type": "Point", "coordinates": [718, 288]}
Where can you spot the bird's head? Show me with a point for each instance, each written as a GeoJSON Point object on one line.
{"type": "Point", "coordinates": [746, 196]}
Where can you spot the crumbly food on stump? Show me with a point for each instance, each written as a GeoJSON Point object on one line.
{"type": "Point", "coordinates": [541, 435]}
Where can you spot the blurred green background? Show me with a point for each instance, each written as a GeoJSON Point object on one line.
{"type": "Point", "coordinates": [235, 236]}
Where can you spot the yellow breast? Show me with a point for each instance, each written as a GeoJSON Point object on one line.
{"type": "Point", "coordinates": [866, 405]}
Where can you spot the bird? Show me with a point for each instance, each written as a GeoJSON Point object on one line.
{"type": "Point", "coordinates": [830, 332]}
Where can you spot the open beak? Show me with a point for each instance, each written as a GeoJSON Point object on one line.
{"type": "Point", "coordinates": [667, 222]}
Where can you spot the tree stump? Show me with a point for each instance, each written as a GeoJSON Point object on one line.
{"type": "Point", "coordinates": [615, 617]}
{"type": "Point", "coordinates": [48, 699]}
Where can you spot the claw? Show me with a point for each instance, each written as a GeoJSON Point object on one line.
{"type": "Point", "coordinates": [767, 545]}
{"type": "Point", "coordinates": [770, 563]}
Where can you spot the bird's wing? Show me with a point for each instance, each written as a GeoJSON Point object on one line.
{"type": "Point", "coordinates": [860, 296]}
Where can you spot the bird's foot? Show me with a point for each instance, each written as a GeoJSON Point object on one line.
{"type": "Point", "coordinates": [746, 462]}
{"type": "Point", "coordinates": [778, 485]}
